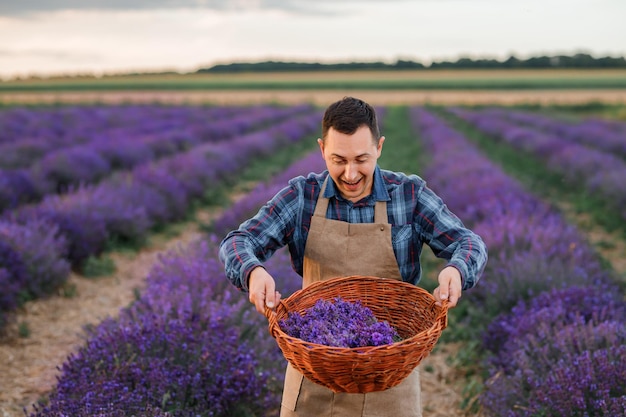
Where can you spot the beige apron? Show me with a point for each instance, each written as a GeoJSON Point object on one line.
{"type": "Point", "coordinates": [333, 249]}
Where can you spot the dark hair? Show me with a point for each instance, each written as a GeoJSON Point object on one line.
{"type": "Point", "coordinates": [349, 114]}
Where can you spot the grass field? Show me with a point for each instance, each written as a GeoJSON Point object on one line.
{"type": "Point", "coordinates": [362, 80]}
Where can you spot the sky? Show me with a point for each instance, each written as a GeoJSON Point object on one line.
{"type": "Point", "coordinates": [54, 37]}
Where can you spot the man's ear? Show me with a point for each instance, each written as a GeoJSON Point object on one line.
{"type": "Point", "coordinates": [321, 143]}
{"type": "Point", "coordinates": [379, 148]}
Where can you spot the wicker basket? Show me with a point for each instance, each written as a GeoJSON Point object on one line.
{"type": "Point", "coordinates": [409, 309]}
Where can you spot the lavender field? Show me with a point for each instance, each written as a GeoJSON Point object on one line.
{"type": "Point", "coordinates": [66, 205]}
{"type": "Point", "coordinates": [544, 331]}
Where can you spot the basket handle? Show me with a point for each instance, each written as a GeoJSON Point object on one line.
{"type": "Point", "coordinates": [443, 314]}
{"type": "Point", "coordinates": [270, 314]}
{"type": "Point", "coordinates": [271, 311]}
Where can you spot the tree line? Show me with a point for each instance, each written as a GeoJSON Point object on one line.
{"type": "Point", "coordinates": [557, 61]}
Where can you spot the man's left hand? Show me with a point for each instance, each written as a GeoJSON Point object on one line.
{"type": "Point", "coordinates": [450, 286]}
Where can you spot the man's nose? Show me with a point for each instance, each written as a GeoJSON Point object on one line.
{"type": "Point", "coordinates": [351, 172]}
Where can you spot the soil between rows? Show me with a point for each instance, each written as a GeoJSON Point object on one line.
{"type": "Point", "coordinates": [325, 97]}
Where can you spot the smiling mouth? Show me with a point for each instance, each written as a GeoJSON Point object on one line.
{"type": "Point", "coordinates": [351, 184]}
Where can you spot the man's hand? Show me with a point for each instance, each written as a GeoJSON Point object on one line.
{"type": "Point", "coordinates": [262, 289]}
{"type": "Point", "coordinates": [450, 286]}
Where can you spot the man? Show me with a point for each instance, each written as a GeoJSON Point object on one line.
{"type": "Point", "coordinates": [352, 219]}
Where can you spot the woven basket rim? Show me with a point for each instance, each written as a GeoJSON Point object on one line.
{"type": "Point", "coordinates": [388, 364]}
{"type": "Point", "coordinates": [360, 350]}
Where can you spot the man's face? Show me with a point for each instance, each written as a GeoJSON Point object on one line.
{"type": "Point", "coordinates": [351, 160]}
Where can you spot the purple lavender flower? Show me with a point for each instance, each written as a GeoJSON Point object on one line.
{"type": "Point", "coordinates": [339, 323]}
{"type": "Point", "coordinates": [13, 277]}
{"type": "Point", "coordinates": [22, 154]}
{"type": "Point", "coordinates": [558, 333]}
{"type": "Point", "coordinates": [84, 232]}
{"type": "Point", "coordinates": [167, 184]}
{"type": "Point", "coordinates": [60, 170]}
{"type": "Point", "coordinates": [42, 251]}
{"type": "Point", "coordinates": [556, 308]}
{"type": "Point", "coordinates": [125, 152]}
{"type": "Point", "coordinates": [185, 367]}
{"type": "Point", "coordinates": [589, 157]}
{"type": "Point", "coordinates": [571, 370]}
{"type": "Point", "coordinates": [110, 410]}
{"type": "Point", "coordinates": [16, 187]}
{"type": "Point", "coordinates": [191, 345]}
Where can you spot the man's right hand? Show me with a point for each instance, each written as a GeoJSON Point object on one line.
{"type": "Point", "coordinates": [262, 290]}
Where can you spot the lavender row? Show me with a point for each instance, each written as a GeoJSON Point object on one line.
{"type": "Point", "coordinates": [605, 135]}
{"type": "Point", "coordinates": [32, 263]}
{"type": "Point", "coordinates": [124, 147]}
{"type": "Point", "coordinates": [192, 345]}
{"type": "Point", "coordinates": [600, 173]}
{"type": "Point", "coordinates": [28, 134]}
{"type": "Point", "coordinates": [127, 204]}
{"type": "Point", "coordinates": [555, 320]}
{"type": "Point", "coordinates": [123, 208]}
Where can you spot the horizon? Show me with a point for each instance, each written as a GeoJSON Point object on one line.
{"type": "Point", "coordinates": [202, 70]}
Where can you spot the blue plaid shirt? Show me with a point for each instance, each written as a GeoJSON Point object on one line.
{"type": "Point", "coordinates": [416, 214]}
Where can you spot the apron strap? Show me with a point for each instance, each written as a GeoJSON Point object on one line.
{"type": "Point", "coordinates": [322, 203]}
{"type": "Point", "coordinates": [380, 213]}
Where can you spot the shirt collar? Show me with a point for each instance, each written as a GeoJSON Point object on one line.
{"type": "Point", "coordinates": [379, 191]}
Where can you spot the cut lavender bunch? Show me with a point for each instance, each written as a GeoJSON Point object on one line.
{"type": "Point", "coordinates": [339, 323]}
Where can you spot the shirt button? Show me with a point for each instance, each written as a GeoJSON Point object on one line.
{"type": "Point", "coordinates": [382, 228]}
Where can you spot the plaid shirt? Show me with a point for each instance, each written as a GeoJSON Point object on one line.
{"type": "Point", "coordinates": [416, 214]}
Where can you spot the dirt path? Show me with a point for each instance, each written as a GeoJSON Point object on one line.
{"type": "Point", "coordinates": [323, 97]}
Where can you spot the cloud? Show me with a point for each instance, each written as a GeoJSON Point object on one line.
{"type": "Point", "coordinates": [25, 7]}
{"type": "Point", "coordinates": [51, 54]}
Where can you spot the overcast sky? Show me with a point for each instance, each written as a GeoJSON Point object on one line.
{"type": "Point", "coordinates": [39, 37]}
